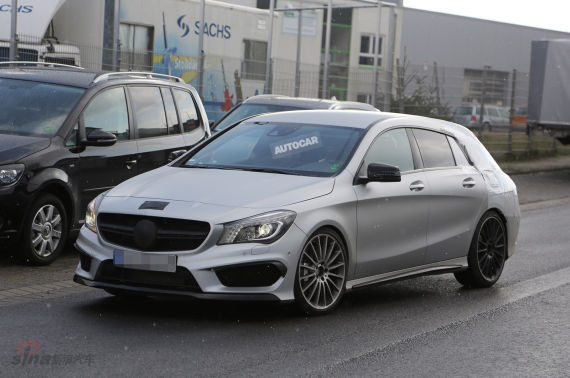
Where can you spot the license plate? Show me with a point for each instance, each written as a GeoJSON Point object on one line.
{"type": "Point", "coordinates": [158, 262]}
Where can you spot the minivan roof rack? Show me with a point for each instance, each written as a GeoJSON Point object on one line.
{"type": "Point", "coordinates": [147, 75]}
{"type": "Point", "coordinates": [46, 64]}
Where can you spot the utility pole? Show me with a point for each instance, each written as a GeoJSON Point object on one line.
{"type": "Point", "coordinates": [14, 32]}
{"type": "Point", "coordinates": [116, 26]}
{"type": "Point", "coordinates": [512, 112]}
{"type": "Point", "coordinates": [324, 93]}
{"type": "Point", "coordinates": [201, 49]}
{"type": "Point", "coordinates": [268, 78]}
{"type": "Point", "coordinates": [298, 61]}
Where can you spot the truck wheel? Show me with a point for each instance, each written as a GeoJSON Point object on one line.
{"type": "Point", "coordinates": [45, 231]}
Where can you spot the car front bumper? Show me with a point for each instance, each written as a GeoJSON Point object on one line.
{"type": "Point", "coordinates": [226, 272]}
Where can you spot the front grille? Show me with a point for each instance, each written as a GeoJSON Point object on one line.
{"type": "Point", "coordinates": [181, 280]}
{"type": "Point", "coordinates": [152, 233]}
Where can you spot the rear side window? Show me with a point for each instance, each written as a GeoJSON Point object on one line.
{"type": "Point", "coordinates": [187, 110]}
{"type": "Point", "coordinates": [108, 112]}
{"type": "Point", "coordinates": [458, 152]}
{"type": "Point", "coordinates": [392, 147]}
{"type": "Point", "coordinates": [149, 111]}
{"type": "Point", "coordinates": [434, 149]}
{"type": "Point", "coordinates": [171, 116]}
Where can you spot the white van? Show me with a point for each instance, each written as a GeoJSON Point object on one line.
{"type": "Point", "coordinates": [45, 52]}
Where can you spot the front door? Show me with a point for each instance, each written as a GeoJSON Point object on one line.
{"type": "Point", "coordinates": [101, 168]}
{"type": "Point", "coordinates": [392, 216]}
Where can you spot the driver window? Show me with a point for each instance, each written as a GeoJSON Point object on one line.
{"type": "Point", "coordinates": [392, 147]}
{"type": "Point", "coordinates": [108, 112]}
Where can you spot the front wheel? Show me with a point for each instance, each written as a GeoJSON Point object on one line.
{"type": "Point", "coordinates": [320, 279]}
{"type": "Point", "coordinates": [45, 231]}
{"type": "Point", "coordinates": [487, 254]}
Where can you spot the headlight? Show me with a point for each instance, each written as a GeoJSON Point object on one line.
{"type": "Point", "coordinates": [263, 228]}
{"type": "Point", "coordinates": [9, 174]}
{"type": "Point", "coordinates": [91, 217]}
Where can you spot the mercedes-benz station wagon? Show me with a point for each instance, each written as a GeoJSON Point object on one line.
{"type": "Point", "coordinates": [304, 206]}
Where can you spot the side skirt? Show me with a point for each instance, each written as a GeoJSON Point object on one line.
{"type": "Point", "coordinates": [441, 267]}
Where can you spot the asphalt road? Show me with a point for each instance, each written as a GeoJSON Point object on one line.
{"type": "Point", "coordinates": [421, 327]}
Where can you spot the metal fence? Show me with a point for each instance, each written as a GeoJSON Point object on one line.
{"type": "Point", "coordinates": [459, 94]}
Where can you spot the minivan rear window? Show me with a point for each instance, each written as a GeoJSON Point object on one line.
{"type": "Point", "coordinates": [464, 110]}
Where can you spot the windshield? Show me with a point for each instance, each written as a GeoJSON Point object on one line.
{"type": "Point", "coordinates": [247, 110]}
{"type": "Point", "coordinates": [32, 108]}
{"type": "Point", "coordinates": [310, 150]}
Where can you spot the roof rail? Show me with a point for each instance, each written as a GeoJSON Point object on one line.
{"type": "Point", "coordinates": [46, 64]}
{"type": "Point", "coordinates": [147, 75]}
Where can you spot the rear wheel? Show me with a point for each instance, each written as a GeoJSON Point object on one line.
{"type": "Point", "coordinates": [45, 231]}
{"type": "Point", "coordinates": [320, 279]}
{"type": "Point", "coordinates": [487, 254]}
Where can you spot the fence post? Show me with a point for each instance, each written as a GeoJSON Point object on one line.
{"type": "Point", "coordinates": [298, 61]}
{"type": "Point", "coordinates": [512, 111]}
{"type": "Point", "coordinates": [327, 51]}
{"type": "Point", "coordinates": [268, 76]}
{"type": "Point", "coordinates": [375, 46]}
{"type": "Point", "coordinates": [483, 94]}
{"type": "Point", "coordinates": [14, 32]}
{"type": "Point", "coordinates": [201, 49]}
{"type": "Point", "coordinates": [554, 150]}
{"type": "Point", "coordinates": [400, 86]}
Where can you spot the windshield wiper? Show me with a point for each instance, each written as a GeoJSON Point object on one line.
{"type": "Point", "coordinates": [271, 170]}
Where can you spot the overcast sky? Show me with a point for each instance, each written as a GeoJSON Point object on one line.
{"type": "Point", "coordinates": [546, 14]}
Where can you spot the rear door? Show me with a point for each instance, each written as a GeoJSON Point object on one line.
{"type": "Point", "coordinates": [157, 127]}
{"type": "Point", "coordinates": [457, 193]}
{"type": "Point", "coordinates": [392, 216]}
{"type": "Point", "coordinates": [192, 126]}
{"type": "Point", "coordinates": [101, 168]}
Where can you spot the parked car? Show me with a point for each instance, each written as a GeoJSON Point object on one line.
{"type": "Point", "coordinates": [67, 135]}
{"type": "Point", "coordinates": [276, 103]}
{"type": "Point", "coordinates": [303, 206]}
{"type": "Point", "coordinates": [469, 116]}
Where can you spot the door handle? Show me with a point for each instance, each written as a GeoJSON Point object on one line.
{"type": "Point", "coordinates": [131, 163]}
{"type": "Point", "coordinates": [417, 186]}
{"type": "Point", "coordinates": [468, 182]}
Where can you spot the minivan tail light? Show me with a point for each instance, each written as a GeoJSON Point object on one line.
{"type": "Point", "coordinates": [473, 118]}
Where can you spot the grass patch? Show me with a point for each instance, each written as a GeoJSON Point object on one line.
{"type": "Point", "coordinates": [541, 145]}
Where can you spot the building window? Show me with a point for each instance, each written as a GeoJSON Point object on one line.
{"type": "Point", "coordinates": [496, 86]}
{"type": "Point", "coordinates": [368, 49]}
{"type": "Point", "coordinates": [364, 97]}
{"type": "Point", "coordinates": [136, 47]}
{"type": "Point", "coordinates": [254, 59]}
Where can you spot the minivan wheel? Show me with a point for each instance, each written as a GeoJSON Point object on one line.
{"type": "Point", "coordinates": [488, 253]}
{"type": "Point", "coordinates": [45, 231]}
{"type": "Point", "coordinates": [320, 280]}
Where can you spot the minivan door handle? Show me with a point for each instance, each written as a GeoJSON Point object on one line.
{"type": "Point", "coordinates": [468, 182]}
{"type": "Point", "coordinates": [417, 186]}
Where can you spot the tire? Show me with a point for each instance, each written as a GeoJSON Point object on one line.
{"type": "Point", "coordinates": [320, 278]}
{"type": "Point", "coordinates": [487, 254]}
{"type": "Point", "coordinates": [45, 231]}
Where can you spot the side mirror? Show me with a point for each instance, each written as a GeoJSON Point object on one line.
{"type": "Point", "coordinates": [383, 173]}
{"type": "Point", "coordinates": [175, 155]}
{"type": "Point", "coordinates": [100, 138]}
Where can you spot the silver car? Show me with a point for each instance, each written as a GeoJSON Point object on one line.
{"type": "Point", "coordinates": [303, 206]}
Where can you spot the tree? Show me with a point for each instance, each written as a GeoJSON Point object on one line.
{"type": "Point", "coordinates": [415, 95]}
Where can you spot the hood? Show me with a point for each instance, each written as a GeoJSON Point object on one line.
{"type": "Point", "coordinates": [16, 147]}
{"type": "Point", "coordinates": [224, 187]}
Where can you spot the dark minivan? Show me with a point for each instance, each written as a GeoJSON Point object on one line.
{"type": "Point", "coordinates": [67, 135]}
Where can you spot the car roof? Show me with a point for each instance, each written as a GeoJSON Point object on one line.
{"type": "Point", "coordinates": [68, 76]}
{"type": "Point", "coordinates": [311, 103]}
{"type": "Point", "coordinates": [78, 77]}
{"type": "Point", "coordinates": [360, 119]}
